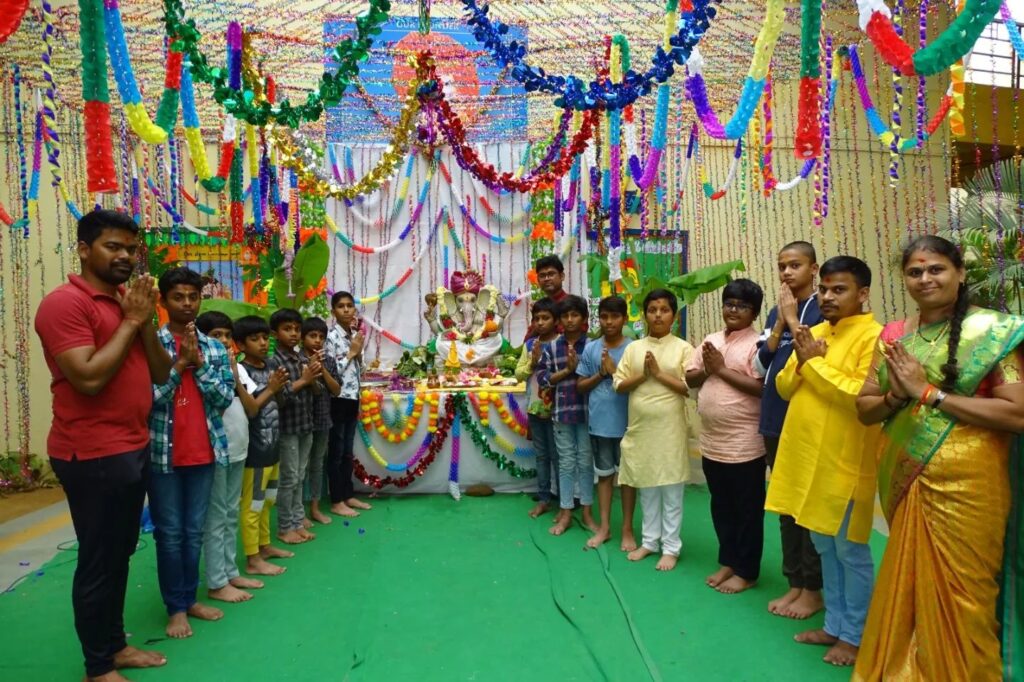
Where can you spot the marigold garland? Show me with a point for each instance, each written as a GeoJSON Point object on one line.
{"type": "Point", "coordinates": [478, 436]}
{"type": "Point", "coordinates": [371, 411]}
{"type": "Point", "coordinates": [417, 465]}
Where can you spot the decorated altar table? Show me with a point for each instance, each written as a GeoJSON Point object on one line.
{"type": "Point", "coordinates": [436, 441]}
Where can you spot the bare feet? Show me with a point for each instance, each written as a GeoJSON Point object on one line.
{"type": "Point", "coordinates": [358, 504]}
{"type": "Point", "coordinates": [320, 517]}
{"type": "Point", "coordinates": [778, 604]}
{"type": "Point", "coordinates": [257, 565]}
{"type": "Point", "coordinates": [718, 577]}
{"type": "Point", "coordinates": [639, 553]}
{"type": "Point", "coordinates": [842, 654]}
{"type": "Point", "coordinates": [305, 534]}
{"type": "Point", "coordinates": [562, 522]}
{"type": "Point", "coordinates": [306, 523]}
{"type": "Point", "coordinates": [130, 657]}
{"type": "Point", "coordinates": [539, 509]}
{"type": "Point", "coordinates": [628, 543]}
{"type": "Point", "coordinates": [178, 626]}
{"type": "Point", "coordinates": [803, 607]}
{"type": "Point", "coordinates": [246, 583]}
{"type": "Point", "coordinates": [342, 509]}
{"type": "Point", "coordinates": [818, 637]}
{"type": "Point", "coordinates": [291, 537]}
{"type": "Point", "coordinates": [735, 585]}
{"type": "Point", "coordinates": [205, 612]}
{"type": "Point", "coordinates": [667, 562]}
{"type": "Point", "coordinates": [271, 552]}
{"type": "Point", "coordinates": [230, 594]}
{"type": "Point", "coordinates": [599, 538]}
{"type": "Point", "coordinates": [588, 519]}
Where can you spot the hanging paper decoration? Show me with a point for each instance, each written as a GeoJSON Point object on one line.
{"type": "Point", "coordinates": [124, 76]}
{"type": "Point", "coordinates": [807, 144]}
{"type": "Point", "coordinates": [572, 91]}
{"type": "Point", "coordinates": [468, 216]}
{"type": "Point", "coordinates": [346, 56]}
{"type": "Point", "coordinates": [167, 112]}
{"type": "Point", "coordinates": [414, 220]}
{"type": "Point", "coordinates": [715, 194]}
{"type": "Point", "coordinates": [376, 298]}
{"type": "Point", "coordinates": [465, 417]}
{"type": "Point", "coordinates": [301, 158]}
{"type": "Point", "coordinates": [875, 122]}
{"type": "Point", "coordinates": [102, 175]}
{"type": "Point", "coordinates": [753, 84]}
{"type": "Point", "coordinates": [11, 13]}
{"type": "Point", "coordinates": [955, 41]}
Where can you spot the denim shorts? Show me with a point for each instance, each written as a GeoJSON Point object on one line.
{"type": "Point", "coordinates": [606, 454]}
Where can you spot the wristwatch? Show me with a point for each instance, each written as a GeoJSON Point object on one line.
{"type": "Point", "coordinates": [940, 395]}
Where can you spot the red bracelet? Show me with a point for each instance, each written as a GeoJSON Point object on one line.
{"type": "Point", "coordinates": [927, 394]}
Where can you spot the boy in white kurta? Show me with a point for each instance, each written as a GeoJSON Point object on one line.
{"type": "Point", "coordinates": [655, 455]}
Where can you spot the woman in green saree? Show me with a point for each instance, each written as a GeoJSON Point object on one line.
{"type": "Point", "coordinates": [947, 384]}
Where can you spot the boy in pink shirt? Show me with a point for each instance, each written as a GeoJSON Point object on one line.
{"type": "Point", "coordinates": [733, 452]}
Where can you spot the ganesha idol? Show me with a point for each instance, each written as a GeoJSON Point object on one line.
{"type": "Point", "coordinates": [468, 316]}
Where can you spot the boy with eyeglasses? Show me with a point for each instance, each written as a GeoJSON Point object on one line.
{"type": "Point", "coordinates": [733, 452]}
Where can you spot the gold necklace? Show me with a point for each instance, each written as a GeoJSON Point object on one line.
{"type": "Point", "coordinates": [932, 343]}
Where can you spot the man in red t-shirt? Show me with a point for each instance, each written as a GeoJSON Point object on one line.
{"type": "Point", "coordinates": [100, 344]}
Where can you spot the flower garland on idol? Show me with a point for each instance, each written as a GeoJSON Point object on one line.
{"type": "Point", "coordinates": [418, 463]}
{"type": "Point", "coordinates": [948, 47]}
{"type": "Point", "coordinates": [345, 58]}
{"type": "Point", "coordinates": [753, 83]}
{"type": "Point", "coordinates": [572, 91]}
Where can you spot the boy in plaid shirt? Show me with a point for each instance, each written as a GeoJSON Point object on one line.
{"type": "Point", "coordinates": [314, 333]}
{"type": "Point", "coordinates": [557, 371]}
{"type": "Point", "coordinates": [296, 414]}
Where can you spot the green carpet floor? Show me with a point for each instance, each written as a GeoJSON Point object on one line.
{"type": "Point", "coordinates": [425, 588]}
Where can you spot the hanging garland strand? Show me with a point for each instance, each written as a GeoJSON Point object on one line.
{"type": "Point", "coordinates": [298, 155]}
{"type": "Point", "coordinates": [572, 91]}
{"type": "Point", "coordinates": [100, 169]}
{"type": "Point", "coordinates": [128, 89]}
{"type": "Point", "coordinates": [420, 461]}
{"type": "Point", "coordinates": [345, 56]}
{"type": "Point", "coordinates": [953, 43]}
{"type": "Point", "coordinates": [478, 436]}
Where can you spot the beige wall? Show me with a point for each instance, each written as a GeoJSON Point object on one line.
{"type": "Point", "coordinates": [868, 218]}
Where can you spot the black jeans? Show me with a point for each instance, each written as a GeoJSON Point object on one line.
{"type": "Point", "coordinates": [345, 416]}
{"type": "Point", "coordinates": [105, 496]}
{"type": "Point", "coordinates": [737, 511]}
{"type": "Point", "coordinates": [800, 561]}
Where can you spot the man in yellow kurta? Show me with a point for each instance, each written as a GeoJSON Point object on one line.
{"type": "Point", "coordinates": [824, 476]}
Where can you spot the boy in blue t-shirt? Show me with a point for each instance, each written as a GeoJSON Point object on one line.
{"type": "Point", "coordinates": [607, 410]}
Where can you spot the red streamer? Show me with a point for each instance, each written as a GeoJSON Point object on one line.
{"type": "Point", "coordinates": [890, 46]}
{"type": "Point", "coordinates": [808, 131]}
{"type": "Point", "coordinates": [11, 13]}
{"type": "Point", "coordinates": [100, 168]}
{"type": "Point", "coordinates": [172, 77]}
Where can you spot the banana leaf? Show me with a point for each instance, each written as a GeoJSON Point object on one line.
{"type": "Point", "coordinates": [234, 309]}
{"type": "Point", "coordinates": [705, 280]}
{"type": "Point", "coordinates": [308, 268]}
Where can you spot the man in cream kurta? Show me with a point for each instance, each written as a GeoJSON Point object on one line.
{"type": "Point", "coordinates": [655, 449]}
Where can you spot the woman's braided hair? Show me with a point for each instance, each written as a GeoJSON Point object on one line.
{"type": "Point", "coordinates": [949, 250]}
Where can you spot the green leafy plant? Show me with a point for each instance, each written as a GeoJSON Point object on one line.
{"type": "Point", "coordinates": [987, 221]}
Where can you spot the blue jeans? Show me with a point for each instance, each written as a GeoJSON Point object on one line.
{"type": "Point", "coordinates": [547, 455]}
{"type": "Point", "coordinates": [848, 573]}
{"type": "Point", "coordinates": [575, 464]}
{"type": "Point", "coordinates": [178, 502]}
